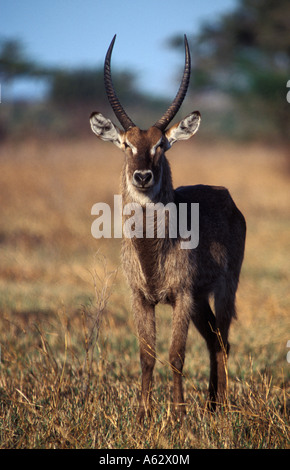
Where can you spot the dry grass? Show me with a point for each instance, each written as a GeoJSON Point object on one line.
{"type": "Point", "coordinates": [69, 355]}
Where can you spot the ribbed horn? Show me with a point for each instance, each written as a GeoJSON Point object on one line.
{"type": "Point", "coordinates": [173, 109]}
{"type": "Point", "coordinates": [112, 97]}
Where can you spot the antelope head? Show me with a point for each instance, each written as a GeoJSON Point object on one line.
{"type": "Point", "coordinates": [144, 149]}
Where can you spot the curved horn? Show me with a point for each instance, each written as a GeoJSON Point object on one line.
{"type": "Point", "coordinates": [173, 109]}
{"type": "Point", "coordinates": [112, 97]}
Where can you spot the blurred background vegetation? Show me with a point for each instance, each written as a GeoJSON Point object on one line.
{"type": "Point", "coordinates": [69, 368]}
{"type": "Point", "coordinates": [240, 70]}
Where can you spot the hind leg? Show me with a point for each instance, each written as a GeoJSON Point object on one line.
{"type": "Point", "coordinates": [225, 312]}
{"type": "Point", "coordinates": [215, 334]}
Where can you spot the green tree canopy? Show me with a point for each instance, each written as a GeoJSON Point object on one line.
{"type": "Point", "coordinates": [87, 86]}
{"type": "Point", "coordinates": [246, 54]}
{"type": "Point", "coordinates": [13, 61]}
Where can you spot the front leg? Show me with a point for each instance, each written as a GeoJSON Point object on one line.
{"type": "Point", "coordinates": [144, 313]}
{"type": "Point", "coordinates": [181, 315]}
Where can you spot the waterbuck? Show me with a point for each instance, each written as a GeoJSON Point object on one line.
{"type": "Point", "coordinates": [158, 269]}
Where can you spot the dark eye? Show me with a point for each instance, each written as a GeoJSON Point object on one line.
{"type": "Point", "coordinates": [125, 145]}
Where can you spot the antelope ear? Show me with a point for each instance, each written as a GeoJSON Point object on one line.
{"type": "Point", "coordinates": [184, 129]}
{"type": "Point", "coordinates": [105, 129]}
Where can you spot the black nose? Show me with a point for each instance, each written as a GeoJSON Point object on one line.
{"type": "Point", "coordinates": [143, 178]}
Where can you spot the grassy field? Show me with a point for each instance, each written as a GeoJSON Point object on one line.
{"type": "Point", "coordinates": [69, 368]}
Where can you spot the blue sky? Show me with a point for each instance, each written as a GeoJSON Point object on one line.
{"type": "Point", "coordinates": [73, 33]}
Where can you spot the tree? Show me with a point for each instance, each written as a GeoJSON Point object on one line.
{"type": "Point", "coordinates": [87, 86]}
{"type": "Point", "coordinates": [72, 95]}
{"type": "Point", "coordinates": [246, 54]}
{"type": "Point", "coordinates": [13, 61]}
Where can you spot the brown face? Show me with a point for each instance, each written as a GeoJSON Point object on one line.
{"type": "Point", "coordinates": [146, 168]}
{"type": "Point", "coordinates": [144, 152]}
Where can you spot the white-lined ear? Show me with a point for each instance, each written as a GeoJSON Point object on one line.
{"type": "Point", "coordinates": [105, 129]}
{"type": "Point", "coordinates": [184, 129]}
